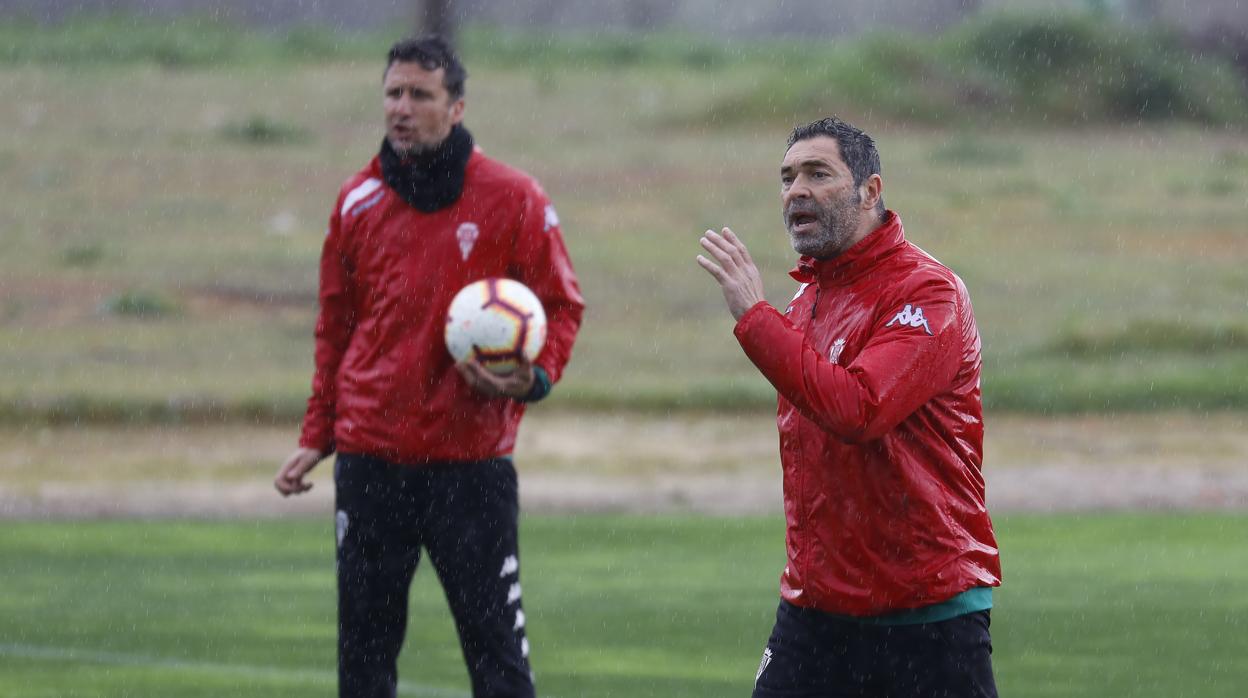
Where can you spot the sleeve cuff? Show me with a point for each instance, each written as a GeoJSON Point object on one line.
{"type": "Point", "coordinates": [750, 318]}
{"type": "Point", "coordinates": [326, 446]}
{"type": "Point", "coordinates": [541, 385]}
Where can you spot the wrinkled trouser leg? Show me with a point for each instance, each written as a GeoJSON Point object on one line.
{"type": "Point", "coordinates": [472, 540]}
{"type": "Point", "coordinates": [378, 551]}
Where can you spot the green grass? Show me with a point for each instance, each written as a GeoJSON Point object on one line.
{"type": "Point", "coordinates": [1097, 605]}
{"type": "Point", "coordinates": [163, 227]}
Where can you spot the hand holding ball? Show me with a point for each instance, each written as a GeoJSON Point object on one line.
{"type": "Point", "coordinates": [496, 321]}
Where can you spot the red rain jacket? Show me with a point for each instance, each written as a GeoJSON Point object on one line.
{"type": "Point", "coordinates": [876, 362]}
{"type": "Point", "coordinates": [385, 384]}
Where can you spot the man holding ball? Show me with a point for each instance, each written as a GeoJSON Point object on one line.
{"type": "Point", "coordinates": [876, 360]}
{"type": "Point", "coordinates": [424, 444]}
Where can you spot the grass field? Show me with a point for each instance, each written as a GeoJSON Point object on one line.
{"type": "Point", "coordinates": [1131, 605]}
{"type": "Point", "coordinates": [161, 228]}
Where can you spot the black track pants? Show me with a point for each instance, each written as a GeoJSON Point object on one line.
{"type": "Point", "coordinates": [813, 655]}
{"type": "Point", "coordinates": [465, 515]}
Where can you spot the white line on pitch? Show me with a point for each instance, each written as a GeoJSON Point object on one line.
{"type": "Point", "coordinates": [310, 676]}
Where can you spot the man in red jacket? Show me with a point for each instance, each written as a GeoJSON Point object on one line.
{"type": "Point", "coordinates": [876, 360]}
{"type": "Point", "coordinates": [424, 445]}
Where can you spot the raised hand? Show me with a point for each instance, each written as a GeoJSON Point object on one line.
{"type": "Point", "coordinates": [733, 268]}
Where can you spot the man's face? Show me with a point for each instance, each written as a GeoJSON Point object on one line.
{"type": "Point", "coordinates": [419, 110]}
{"type": "Point", "coordinates": [821, 206]}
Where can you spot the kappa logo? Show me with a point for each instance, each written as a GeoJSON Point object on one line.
{"type": "Point", "coordinates": [834, 354]}
{"type": "Point", "coordinates": [912, 317]}
{"type": "Point", "coordinates": [467, 236]}
{"type": "Point", "coordinates": [762, 666]}
{"type": "Point", "coordinates": [510, 566]}
{"type": "Point", "coordinates": [552, 218]}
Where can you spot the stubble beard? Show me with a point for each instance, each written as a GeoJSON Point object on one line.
{"type": "Point", "coordinates": [410, 150]}
{"type": "Point", "coordinates": [836, 224]}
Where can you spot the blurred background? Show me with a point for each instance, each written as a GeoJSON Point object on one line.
{"type": "Point", "coordinates": [168, 168]}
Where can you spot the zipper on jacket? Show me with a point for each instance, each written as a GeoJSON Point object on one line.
{"type": "Point", "coordinates": [815, 305]}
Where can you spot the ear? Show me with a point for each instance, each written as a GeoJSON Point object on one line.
{"type": "Point", "coordinates": [871, 191]}
{"type": "Point", "coordinates": [457, 111]}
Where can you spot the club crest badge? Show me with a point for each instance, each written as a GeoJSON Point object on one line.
{"type": "Point", "coordinates": [341, 522]}
{"type": "Point", "coordinates": [467, 236]}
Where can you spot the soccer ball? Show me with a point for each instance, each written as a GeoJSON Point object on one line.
{"type": "Point", "coordinates": [497, 321]}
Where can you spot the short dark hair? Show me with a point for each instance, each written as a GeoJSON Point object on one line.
{"type": "Point", "coordinates": [857, 148]}
{"type": "Point", "coordinates": [431, 52]}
